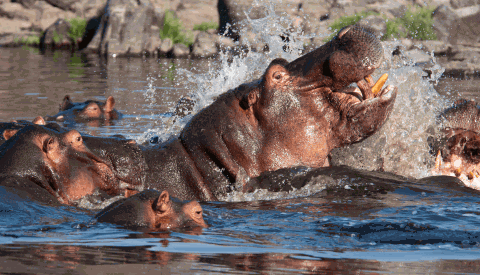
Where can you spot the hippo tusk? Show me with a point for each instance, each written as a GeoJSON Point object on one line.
{"type": "Point", "coordinates": [438, 160]}
{"type": "Point", "coordinates": [378, 86]}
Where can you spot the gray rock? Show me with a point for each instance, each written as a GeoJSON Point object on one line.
{"type": "Point", "coordinates": [27, 3]}
{"type": "Point", "coordinates": [56, 35]}
{"type": "Point", "coordinates": [224, 43]}
{"type": "Point", "coordinates": [16, 11]}
{"type": "Point", "coordinates": [467, 11]}
{"type": "Point", "coordinates": [443, 20]}
{"type": "Point", "coordinates": [180, 51]}
{"type": "Point", "coordinates": [438, 47]}
{"type": "Point", "coordinates": [204, 45]}
{"type": "Point", "coordinates": [166, 47]}
{"type": "Point", "coordinates": [457, 4]}
{"type": "Point", "coordinates": [124, 28]}
{"type": "Point", "coordinates": [63, 4]}
{"type": "Point", "coordinates": [153, 45]}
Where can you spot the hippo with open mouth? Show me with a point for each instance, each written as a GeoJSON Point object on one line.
{"type": "Point", "coordinates": [294, 115]}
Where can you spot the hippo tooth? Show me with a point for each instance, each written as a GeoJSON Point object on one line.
{"type": "Point", "coordinates": [358, 92]}
{"type": "Point", "coordinates": [378, 86]}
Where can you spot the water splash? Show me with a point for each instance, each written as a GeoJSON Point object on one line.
{"type": "Point", "coordinates": [401, 145]}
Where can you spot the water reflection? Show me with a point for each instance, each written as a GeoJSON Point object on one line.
{"type": "Point", "coordinates": [57, 259]}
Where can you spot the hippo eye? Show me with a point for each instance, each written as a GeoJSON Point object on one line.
{"type": "Point", "coordinates": [79, 139]}
{"type": "Point", "coordinates": [277, 75]}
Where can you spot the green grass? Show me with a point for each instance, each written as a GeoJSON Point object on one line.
{"type": "Point", "coordinates": [205, 26]}
{"type": "Point", "coordinates": [31, 40]}
{"type": "Point", "coordinates": [173, 29]}
{"type": "Point", "coordinates": [415, 24]}
{"type": "Point", "coordinates": [419, 23]}
{"type": "Point", "coordinates": [77, 28]}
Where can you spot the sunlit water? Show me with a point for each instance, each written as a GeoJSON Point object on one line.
{"type": "Point", "coordinates": [298, 231]}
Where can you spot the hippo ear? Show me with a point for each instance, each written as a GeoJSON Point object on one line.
{"type": "Point", "coordinates": [39, 121]}
{"type": "Point", "coordinates": [9, 133]}
{"type": "Point", "coordinates": [66, 102]}
{"type": "Point", "coordinates": [109, 104]}
{"type": "Point", "coordinates": [163, 202]}
{"type": "Point", "coordinates": [249, 99]}
{"type": "Point", "coordinates": [275, 73]}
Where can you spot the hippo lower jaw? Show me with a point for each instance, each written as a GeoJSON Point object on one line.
{"type": "Point", "coordinates": [386, 96]}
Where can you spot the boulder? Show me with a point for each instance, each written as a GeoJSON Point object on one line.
{"type": "Point", "coordinates": [180, 51]}
{"type": "Point", "coordinates": [444, 21]}
{"type": "Point", "coordinates": [153, 45]}
{"type": "Point", "coordinates": [63, 4]}
{"type": "Point", "coordinates": [56, 35]}
{"type": "Point", "coordinates": [16, 11]}
{"type": "Point", "coordinates": [28, 4]}
{"type": "Point", "coordinates": [233, 14]}
{"type": "Point", "coordinates": [457, 4]}
{"type": "Point", "coordinates": [204, 45]}
{"type": "Point", "coordinates": [166, 47]}
{"type": "Point", "coordinates": [125, 28]}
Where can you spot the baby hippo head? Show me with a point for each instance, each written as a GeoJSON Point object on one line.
{"type": "Point", "coordinates": [153, 210]}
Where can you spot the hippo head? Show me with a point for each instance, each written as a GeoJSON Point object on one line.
{"type": "Point", "coordinates": [91, 112]}
{"type": "Point", "coordinates": [307, 106]}
{"type": "Point", "coordinates": [153, 210]}
{"type": "Point", "coordinates": [59, 162]}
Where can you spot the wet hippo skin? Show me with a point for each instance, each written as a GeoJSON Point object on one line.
{"type": "Point", "coordinates": [88, 111]}
{"type": "Point", "coordinates": [153, 210]}
{"type": "Point", "coordinates": [293, 116]}
{"type": "Point", "coordinates": [47, 165]}
{"type": "Point", "coordinates": [458, 149]}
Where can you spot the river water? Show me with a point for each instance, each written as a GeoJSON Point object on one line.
{"type": "Point", "coordinates": [411, 227]}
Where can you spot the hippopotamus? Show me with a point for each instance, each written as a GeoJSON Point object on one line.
{"type": "Point", "coordinates": [458, 150]}
{"type": "Point", "coordinates": [88, 111]}
{"type": "Point", "coordinates": [153, 210]}
{"type": "Point", "coordinates": [294, 115]}
{"type": "Point", "coordinates": [49, 164]}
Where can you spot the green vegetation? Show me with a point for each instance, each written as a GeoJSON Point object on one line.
{"type": "Point", "coordinates": [173, 29]}
{"type": "Point", "coordinates": [77, 28]}
{"type": "Point", "coordinates": [416, 23]}
{"type": "Point", "coordinates": [205, 26]}
{"type": "Point", "coordinates": [57, 38]}
{"type": "Point", "coordinates": [31, 40]}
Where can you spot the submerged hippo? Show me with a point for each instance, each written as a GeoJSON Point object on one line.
{"type": "Point", "coordinates": [90, 110]}
{"type": "Point", "coordinates": [49, 164]}
{"type": "Point", "coordinates": [293, 116]}
{"type": "Point", "coordinates": [153, 210]}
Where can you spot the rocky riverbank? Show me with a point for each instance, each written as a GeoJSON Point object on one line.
{"type": "Point", "coordinates": [133, 27]}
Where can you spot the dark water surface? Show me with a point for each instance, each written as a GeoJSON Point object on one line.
{"type": "Point", "coordinates": [399, 226]}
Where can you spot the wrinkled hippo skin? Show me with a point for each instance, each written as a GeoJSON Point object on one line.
{"type": "Point", "coordinates": [293, 116]}
{"type": "Point", "coordinates": [88, 111]}
{"type": "Point", "coordinates": [49, 164]}
{"type": "Point", "coordinates": [153, 210]}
